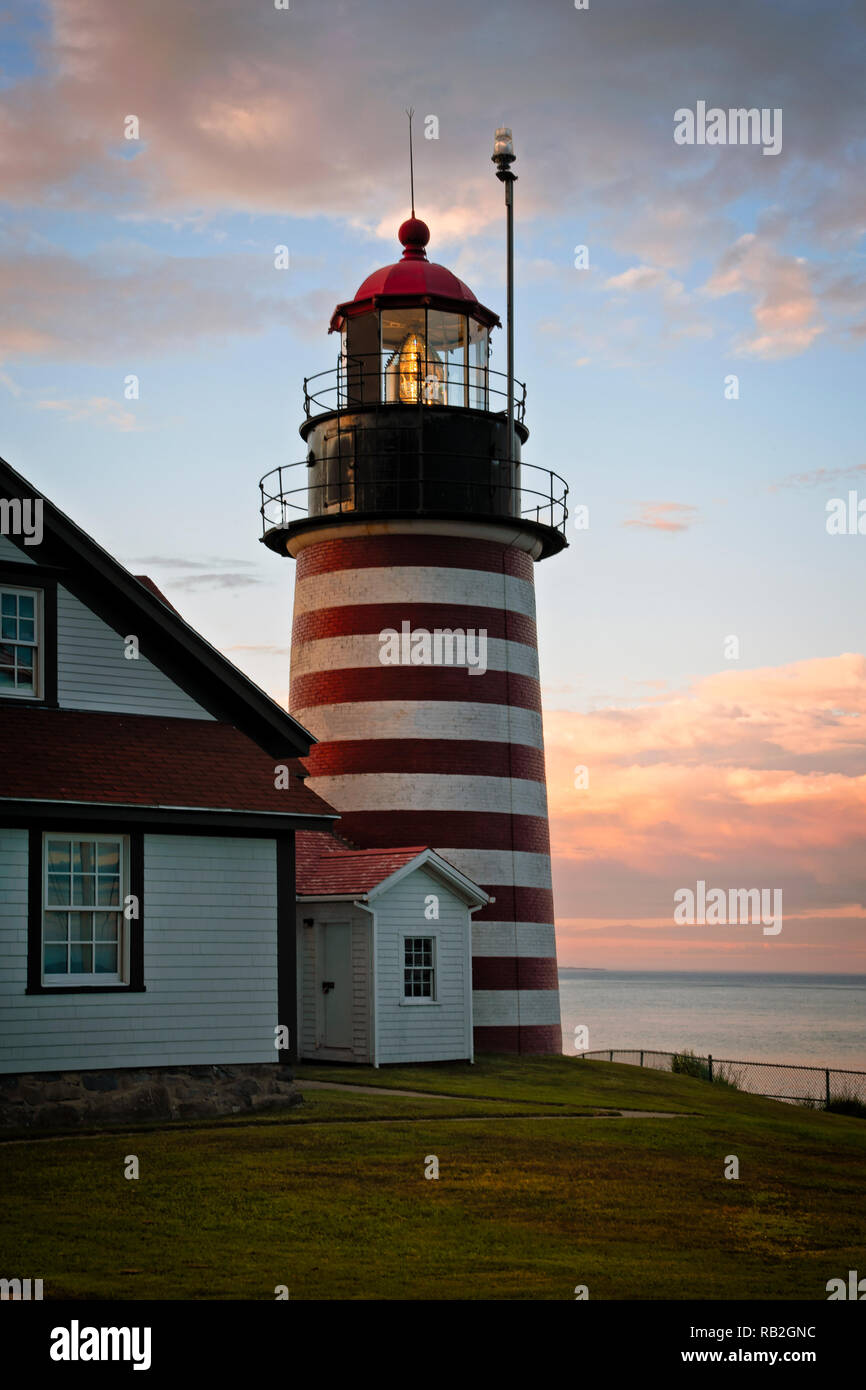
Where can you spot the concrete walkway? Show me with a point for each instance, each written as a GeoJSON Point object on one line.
{"type": "Point", "coordinates": [440, 1095]}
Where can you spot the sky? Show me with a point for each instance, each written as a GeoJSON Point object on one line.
{"type": "Point", "coordinates": [737, 762]}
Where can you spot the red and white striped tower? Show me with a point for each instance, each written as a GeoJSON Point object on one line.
{"type": "Point", "coordinates": [408, 516]}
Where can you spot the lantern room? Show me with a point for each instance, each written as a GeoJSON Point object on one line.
{"type": "Point", "coordinates": [413, 422]}
{"type": "Point", "coordinates": [415, 333]}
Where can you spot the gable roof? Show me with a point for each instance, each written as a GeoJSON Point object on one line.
{"type": "Point", "coordinates": [140, 760]}
{"type": "Point", "coordinates": [326, 868]}
{"type": "Point", "coordinates": [129, 605]}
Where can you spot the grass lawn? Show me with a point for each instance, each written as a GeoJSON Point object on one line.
{"type": "Point", "coordinates": [534, 1196]}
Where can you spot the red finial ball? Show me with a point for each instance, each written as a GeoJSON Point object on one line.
{"type": "Point", "coordinates": [414, 234]}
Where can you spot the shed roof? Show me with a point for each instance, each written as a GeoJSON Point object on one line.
{"type": "Point", "coordinates": [327, 866]}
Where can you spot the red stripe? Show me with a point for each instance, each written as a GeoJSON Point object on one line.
{"type": "Point", "coordinates": [351, 619]}
{"type": "Point", "coordinates": [514, 903]}
{"type": "Point", "coordinates": [456, 829]}
{"type": "Point", "coordinates": [352, 684]}
{"type": "Point", "coordinates": [439, 552]}
{"type": "Point", "coordinates": [450, 757]}
{"type": "Point", "coordinates": [535, 1038]}
{"type": "Point", "coordinates": [514, 972]}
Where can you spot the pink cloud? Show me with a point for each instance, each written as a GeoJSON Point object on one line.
{"type": "Point", "coordinates": [748, 779]}
{"type": "Point", "coordinates": [664, 516]}
{"type": "Point", "coordinates": [784, 304]}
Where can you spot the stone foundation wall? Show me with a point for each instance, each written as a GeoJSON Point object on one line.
{"type": "Point", "coordinates": [68, 1099]}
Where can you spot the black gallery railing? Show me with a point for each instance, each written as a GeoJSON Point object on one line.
{"type": "Point", "coordinates": [421, 482]}
{"type": "Point", "coordinates": [380, 378]}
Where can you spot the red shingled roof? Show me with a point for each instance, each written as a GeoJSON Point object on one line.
{"type": "Point", "coordinates": [325, 865]}
{"type": "Point", "coordinates": [143, 760]}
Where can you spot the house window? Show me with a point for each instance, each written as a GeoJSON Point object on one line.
{"type": "Point", "coordinates": [20, 642]}
{"type": "Point", "coordinates": [418, 968]}
{"type": "Point", "coordinates": [84, 932]}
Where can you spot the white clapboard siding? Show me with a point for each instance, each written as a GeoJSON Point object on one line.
{"type": "Point", "coordinates": [361, 992]}
{"type": "Point", "coordinates": [307, 984]}
{"type": "Point", "coordinates": [93, 673]}
{"type": "Point", "coordinates": [423, 1032]}
{"type": "Point", "coordinates": [210, 966]}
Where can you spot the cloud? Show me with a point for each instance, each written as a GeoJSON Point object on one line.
{"type": "Point", "coordinates": [181, 563]}
{"type": "Point", "coordinates": [748, 778]}
{"type": "Point", "coordinates": [232, 113]}
{"type": "Point", "coordinates": [84, 309]}
{"type": "Point", "coordinates": [819, 477]}
{"type": "Point", "coordinates": [664, 516]}
{"type": "Point", "coordinates": [784, 304]}
{"type": "Point", "coordinates": [99, 408]}
{"type": "Point", "coordinates": [230, 579]}
{"type": "Point", "coordinates": [233, 120]}
{"type": "Point", "coordinates": [640, 277]}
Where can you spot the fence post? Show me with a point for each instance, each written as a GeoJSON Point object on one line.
{"type": "Point", "coordinates": [710, 1064]}
{"type": "Point", "coordinates": [827, 1083]}
{"type": "Point", "coordinates": [641, 1057]}
{"type": "Point", "coordinates": [611, 1054]}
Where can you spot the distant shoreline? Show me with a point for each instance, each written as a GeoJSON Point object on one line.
{"type": "Point", "coordinates": [627, 970]}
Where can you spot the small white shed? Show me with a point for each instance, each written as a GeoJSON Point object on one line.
{"type": "Point", "coordinates": [384, 954]}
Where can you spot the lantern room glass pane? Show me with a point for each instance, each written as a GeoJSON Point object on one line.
{"type": "Point", "coordinates": [478, 358]}
{"type": "Point", "coordinates": [404, 355]}
{"type": "Point", "coordinates": [361, 359]}
{"type": "Point", "coordinates": [446, 358]}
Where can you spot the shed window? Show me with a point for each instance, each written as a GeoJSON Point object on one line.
{"type": "Point", "coordinates": [19, 642]}
{"type": "Point", "coordinates": [83, 924]}
{"type": "Point", "coordinates": [418, 968]}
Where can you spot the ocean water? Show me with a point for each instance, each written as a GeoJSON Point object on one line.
{"type": "Point", "coordinates": [811, 1020]}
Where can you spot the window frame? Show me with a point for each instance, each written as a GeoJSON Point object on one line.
{"type": "Point", "coordinates": [132, 938]}
{"type": "Point", "coordinates": [37, 646]}
{"type": "Point", "coordinates": [59, 979]}
{"type": "Point", "coordinates": [413, 1001]}
{"type": "Point", "coordinates": [36, 579]}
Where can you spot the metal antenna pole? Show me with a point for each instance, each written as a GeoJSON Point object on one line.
{"type": "Point", "coordinates": [503, 158]}
{"type": "Point", "coordinates": [509, 206]}
{"type": "Point", "coordinates": [410, 112]}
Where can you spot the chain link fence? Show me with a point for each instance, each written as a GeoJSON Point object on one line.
{"type": "Point", "coordinates": [776, 1080]}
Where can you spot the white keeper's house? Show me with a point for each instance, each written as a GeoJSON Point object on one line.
{"type": "Point", "coordinates": [179, 916]}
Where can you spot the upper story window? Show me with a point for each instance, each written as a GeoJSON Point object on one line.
{"type": "Point", "coordinates": [20, 642]}
{"type": "Point", "coordinates": [84, 931]}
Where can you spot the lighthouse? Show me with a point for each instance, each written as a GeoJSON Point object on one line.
{"type": "Point", "coordinates": [415, 526]}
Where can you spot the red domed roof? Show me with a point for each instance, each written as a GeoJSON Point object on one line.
{"type": "Point", "coordinates": [414, 280]}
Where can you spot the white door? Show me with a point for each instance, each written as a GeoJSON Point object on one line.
{"type": "Point", "coordinates": [335, 984]}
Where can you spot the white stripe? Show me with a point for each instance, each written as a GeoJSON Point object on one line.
{"type": "Point", "coordinates": [431, 791]}
{"type": "Point", "coordinates": [452, 719]}
{"type": "Point", "coordinates": [415, 584]}
{"type": "Point", "coordinates": [513, 939]}
{"type": "Point", "coordinates": [508, 1007]}
{"type": "Point", "coordinates": [500, 866]}
{"type": "Point", "coordinates": [365, 649]}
